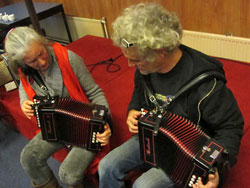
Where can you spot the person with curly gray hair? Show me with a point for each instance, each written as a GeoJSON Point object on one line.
{"type": "Point", "coordinates": [150, 38]}
{"type": "Point", "coordinates": [64, 75]}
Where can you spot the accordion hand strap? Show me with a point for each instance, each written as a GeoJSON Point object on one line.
{"type": "Point", "coordinates": [188, 86]}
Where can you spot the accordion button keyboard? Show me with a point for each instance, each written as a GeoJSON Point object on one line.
{"type": "Point", "coordinates": [94, 139]}
{"type": "Point", "coordinates": [190, 184]}
{"type": "Point", "coordinates": [194, 180]}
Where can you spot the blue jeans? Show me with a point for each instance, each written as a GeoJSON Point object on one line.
{"type": "Point", "coordinates": [34, 161]}
{"type": "Point", "coordinates": [114, 167]}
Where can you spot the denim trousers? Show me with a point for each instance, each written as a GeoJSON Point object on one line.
{"type": "Point", "coordinates": [34, 158]}
{"type": "Point", "coordinates": [114, 167]}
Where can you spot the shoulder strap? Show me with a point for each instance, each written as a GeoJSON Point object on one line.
{"type": "Point", "coordinates": [149, 93]}
{"type": "Point", "coordinates": [196, 82]}
{"type": "Point", "coordinates": [38, 79]}
{"type": "Point", "coordinates": [188, 86]}
{"type": "Point", "coordinates": [28, 71]}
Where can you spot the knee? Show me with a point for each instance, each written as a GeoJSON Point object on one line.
{"type": "Point", "coordinates": [139, 182]}
{"type": "Point", "coordinates": [102, 167]}
{"type": "Point", "coordinates": [153, 180]}
{"type": "Point", "coordinates": [24, 157]}
{"type": "Point", "coordinates": [106, 165]}
{"type": "Point", "coordinates": [28, 158]}
{"type": "Point", "coordinates": [69, 178]}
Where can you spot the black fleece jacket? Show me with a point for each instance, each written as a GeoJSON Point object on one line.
{"type": "Point", "coordinates": [211, 105]}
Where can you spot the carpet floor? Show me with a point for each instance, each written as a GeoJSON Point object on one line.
{"type": "Point", "coordinates": [12, 174]}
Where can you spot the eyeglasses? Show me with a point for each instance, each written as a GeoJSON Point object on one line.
{"type": "Point", "coordinates": [126, 44]}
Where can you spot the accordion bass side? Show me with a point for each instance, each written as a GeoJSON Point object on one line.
{"type": "Point", "coordinates": [69, 121]}
{"type": "Point", "coordinates": [179, 147]}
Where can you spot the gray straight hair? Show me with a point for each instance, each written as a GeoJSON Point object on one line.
{"type": "Point", "coordinates": [18, 41]}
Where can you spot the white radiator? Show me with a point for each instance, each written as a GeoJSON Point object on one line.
{"type": "Point", "coordinates": [228, 47]}
{"type": "Point", "coordinates": [216, 45]}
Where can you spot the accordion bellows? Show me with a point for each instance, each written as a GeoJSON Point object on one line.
{"type": "Point", "coordinates": [179, 147]}
{"type": "Point", "coordinates": [71, 122]}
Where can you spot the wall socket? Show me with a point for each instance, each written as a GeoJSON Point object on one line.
{"type": "Point", "coordinates": [10, 86]}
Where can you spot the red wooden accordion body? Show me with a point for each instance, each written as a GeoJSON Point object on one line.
{"type": "Point", "coordinates": [179, 147]}
{"type": "Point", "coordinates": [71, 122]}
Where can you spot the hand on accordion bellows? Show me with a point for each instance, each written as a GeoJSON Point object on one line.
{"type": "Point", "coordinates": [213, 181]}
{"type": "Point", "coordinates": [27, 108]}
{"type": "Point", "coordinates": [132, 120]}
{"type": "Point", "coordinates": [104, 137]}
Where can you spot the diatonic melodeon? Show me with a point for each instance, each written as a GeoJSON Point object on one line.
{"type": "Point", "coordinates": [70, 121]}
{"type": "Point", "coordinates": [179, 147]}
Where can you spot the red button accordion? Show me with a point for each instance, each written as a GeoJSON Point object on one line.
{"type": "Point", "coordinates": [69, 121]}
{"type": "Point", "coordinates": [179, 147]}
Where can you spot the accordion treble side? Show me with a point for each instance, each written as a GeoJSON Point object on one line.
{"type": "Point", "coordinates": [179, 147]}
{"type": "Point", "coordinates": [71, 122]}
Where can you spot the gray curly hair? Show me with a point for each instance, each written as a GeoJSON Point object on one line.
{"type": "Point", "coordinates": [17, 42]}
{"type": "Point", "coordinates": [149, 27]}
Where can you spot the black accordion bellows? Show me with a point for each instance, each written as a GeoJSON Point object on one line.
{"type": "Point", "coordinates": [179, 147]}
{"type": "Point", "coordinates": [70, 121]}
